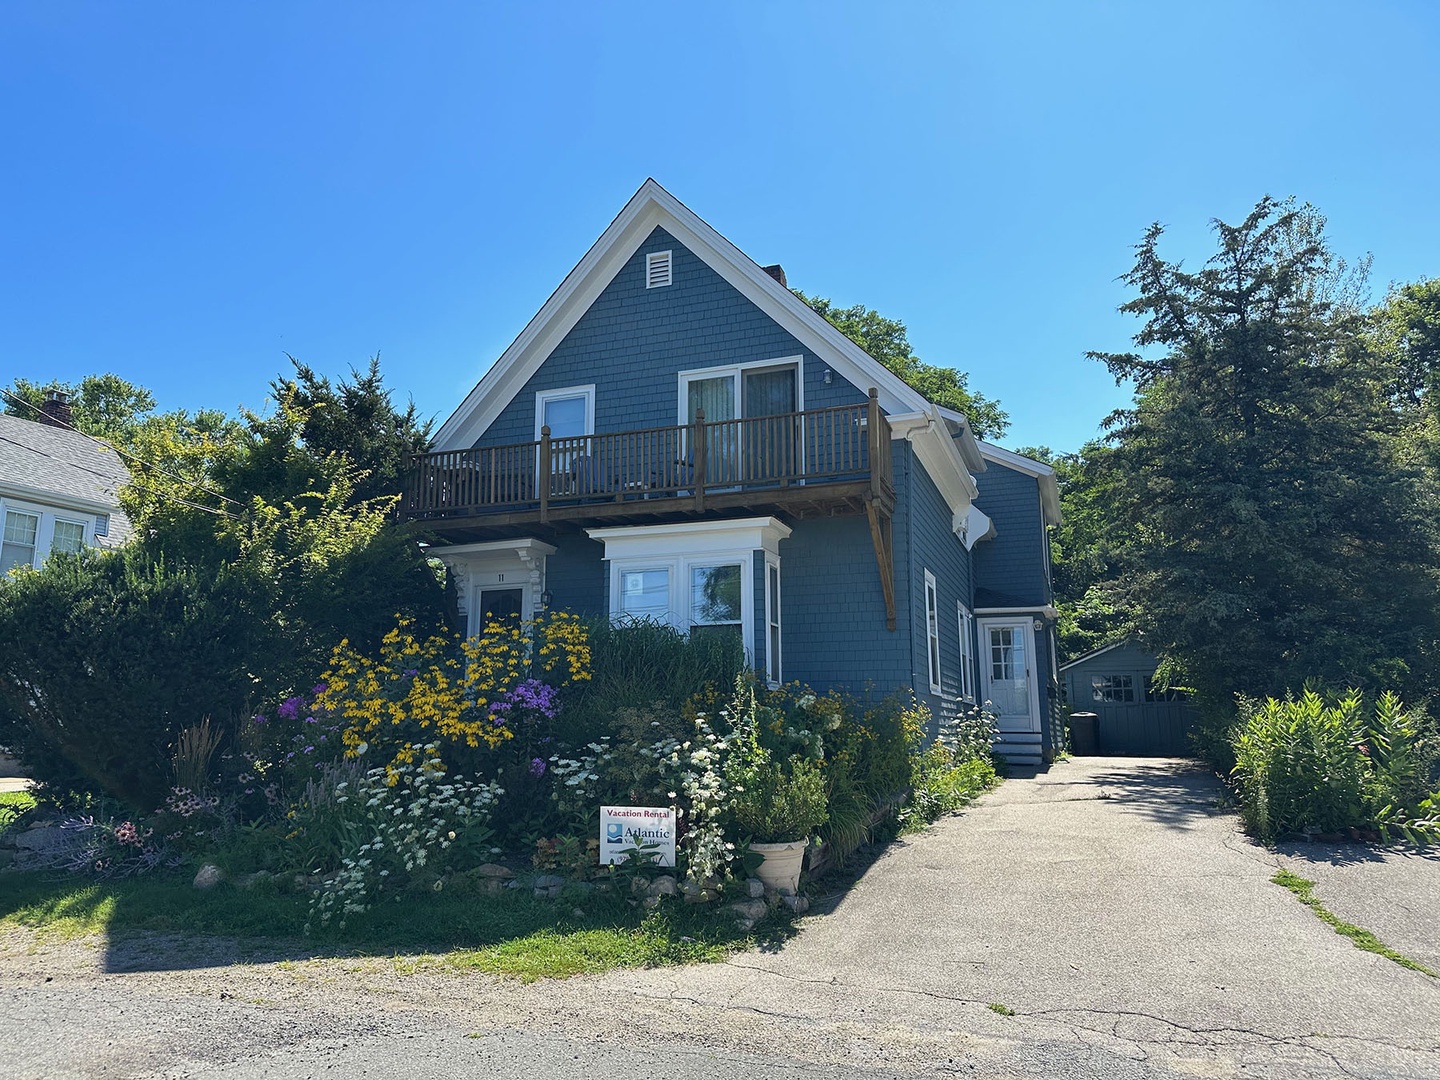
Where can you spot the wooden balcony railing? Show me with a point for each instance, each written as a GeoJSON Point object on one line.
{"type": "Point", "coordinates": [849, 444]}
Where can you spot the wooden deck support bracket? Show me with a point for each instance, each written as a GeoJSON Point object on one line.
{"type": "Point", "coordinates": [881, 537]}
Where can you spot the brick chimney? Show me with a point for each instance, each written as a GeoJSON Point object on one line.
{"type": "Point", "coordinates": [56, 410]}
{"type": "Point", "coordinates": [778, 273]}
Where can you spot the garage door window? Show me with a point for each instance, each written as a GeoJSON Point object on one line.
{"type": "Point", "coordinates": [1112, 687]}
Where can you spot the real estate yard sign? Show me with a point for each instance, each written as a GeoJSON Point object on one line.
{"type": "Point", "coordinates": [625, 828]}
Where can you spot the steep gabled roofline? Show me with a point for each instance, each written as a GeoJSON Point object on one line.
{"type": "Point", "coordinates": [1044, 474]}
{"type": "Point", "coordinates": [1098, 652]}
{"type": "Point", "coordinates": [650, 206]}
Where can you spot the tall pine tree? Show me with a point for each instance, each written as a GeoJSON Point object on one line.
{"type": "Point", "coordinates": [1279, 531]}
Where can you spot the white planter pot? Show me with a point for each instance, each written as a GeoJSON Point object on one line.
{"type": "Point", "coordinates": [780, 865]}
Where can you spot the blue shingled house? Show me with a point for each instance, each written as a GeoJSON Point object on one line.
{"type": "Point", "coordinates": [676, 435]}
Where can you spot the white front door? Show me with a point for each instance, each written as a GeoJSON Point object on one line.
{"type": "Point", "coordinates": [1007, 670]}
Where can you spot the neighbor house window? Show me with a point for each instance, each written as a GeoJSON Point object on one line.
{"type": "Point", "coordinates": [932, 631]}
{"type": "Point", "coordinates": [69, 536]}
{"type": "Point", "coordinates": [1112, 687]}
{"type": "Point", "coordinates": [18, 547]}
{"type": "Point", "coordinates": [967, 653]}
{"type": "Point", "coordinates": [1165, 693]}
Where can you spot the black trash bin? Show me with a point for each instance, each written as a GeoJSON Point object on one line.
{"type": "Point", "coordinates": [1084, 734]}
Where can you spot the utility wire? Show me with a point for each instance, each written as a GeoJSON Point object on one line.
{"type": "Point", "coordinates": [126, 455]}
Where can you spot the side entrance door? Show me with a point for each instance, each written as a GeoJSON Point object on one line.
{"type": "Point", "coordinates": [1007, 674]}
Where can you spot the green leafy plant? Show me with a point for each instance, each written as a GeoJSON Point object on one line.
{"type": "Point", "coordinates": [773, 803]}
{"type": "Point", "coordinates": [1326, 763]}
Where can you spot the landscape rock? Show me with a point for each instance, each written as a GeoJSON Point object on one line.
{"type": "Point", "coordinates": [209, 876]}
{"type": "Point", "coordinates": [749, 909]}
{"type": "Point", "coordinates": [249, 881]}
{"type": "Point", "coordinates": [651, 902]}
{"type": "Point", "coordinates": [745, 924]}
{"type": "Point", "coordinates": [695, 893]}
{"type": "Point", "coordinates": [757, 888]}
{"type": "Point", "coordinates": [798, 904]}
{"type": "Point", "coordinates": [40, 838]}
{"type": "Point", "coordinates": [662, 886]}
{"type": "Point", "coordinates": [547, 892]}
{"type": "Point", "coordinates": [547, 881]}
{"type": "Point", "coordinates": [493, 870]}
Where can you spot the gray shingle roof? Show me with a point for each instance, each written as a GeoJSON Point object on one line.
{"type": "Point", "coordinates": [51, 459]}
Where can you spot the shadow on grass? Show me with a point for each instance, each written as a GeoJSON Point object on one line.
{"type": "Point", "coordinates": [162, 924]}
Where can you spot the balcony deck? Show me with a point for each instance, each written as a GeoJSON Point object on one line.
{"type": "Point", "coordinates": [819, 462]}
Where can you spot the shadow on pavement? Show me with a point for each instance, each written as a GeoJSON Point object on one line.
{"type": "Point", "coordinates": [1352, 854]}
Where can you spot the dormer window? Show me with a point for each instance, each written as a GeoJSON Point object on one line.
{"type": "Point", "coordinates": [657, 269]}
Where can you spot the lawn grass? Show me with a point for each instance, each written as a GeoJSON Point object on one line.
{"type": "Point", "coordinates": [13, 806]}
{"type": "Point", "coordinates": [1303, 888]}
{"type": "Point", "coordinates": [510, 934]}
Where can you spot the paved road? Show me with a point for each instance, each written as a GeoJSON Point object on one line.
{"type": "Point", "coordinates": [1109, 905]}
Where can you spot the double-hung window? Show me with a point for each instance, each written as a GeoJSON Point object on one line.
{"type": "Point", "coordinates": [967, 653]}
{"type": "Point", "coordinates": [932, 631]}
{"type": "Point", "coordinates": [715, 598]}
{"type": "Point", "coordinates": [68, 536]}
{"type": "Point", "coordinates": [18, 546]}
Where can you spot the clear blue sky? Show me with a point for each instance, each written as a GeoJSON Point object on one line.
{"type": "Point", "coordinates": [191, 191]}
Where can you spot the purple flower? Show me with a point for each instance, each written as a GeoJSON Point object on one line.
{"type": "Point", "coordinates": [309, 749]}
{"type": "Point", "coordinates": [410, 672]}
{"type": "Point", "coordinates": [319, 689]}
{"type": "Point", "coordinates": [259, 718]}
{"type": "Point", "coordinates": [537, 766]}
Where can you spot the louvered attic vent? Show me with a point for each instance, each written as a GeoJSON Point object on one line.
{"type": "Point", "coordinates": [657, 269]}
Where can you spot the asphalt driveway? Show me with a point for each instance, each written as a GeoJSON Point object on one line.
{"type": "Point", "coordinates": [1103, 920]}
{"type": "Point", "coordinates": [1113, 906]}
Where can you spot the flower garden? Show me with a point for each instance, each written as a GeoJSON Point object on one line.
{"type": "Point", "coordinates": [438, 767]}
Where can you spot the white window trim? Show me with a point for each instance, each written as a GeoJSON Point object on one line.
{"type": "Point", "coordinates": [650, 259]}
{"type": "Point", "coordinates": [932, 631]}
{"type": "Point", "coordinates": [683, 546]}
{"type": "Point", "coordinates": [774, 671]}
{"type": "Point", "coordinates": [969, 673]}
{"type": "Point", "coordinates": [587, 392]}
{"type": "Point", "coordinates": [45, 526]}
{"type": "Point", "coordinates": [684, 378]}
{"type": "Point", "coordinates": [681, 614]}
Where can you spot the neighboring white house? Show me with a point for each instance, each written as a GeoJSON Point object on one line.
{"type": "Point", "coordinates": [58, 491]}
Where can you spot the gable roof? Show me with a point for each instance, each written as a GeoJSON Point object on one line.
{"type": "Point", "coordinates": [1044, 476]}
{"type": "Point", "coordinates": [52, 464]}
{"type": "Point", "coordinates": [653, 206]}
{"type": "Point", "coordinates": [1092, 654]}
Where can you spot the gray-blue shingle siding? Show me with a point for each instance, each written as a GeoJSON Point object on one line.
{"type": "Point", "coordinates": [633, 342]}
{"type": "Point", "coordinates": [1014, 562]}
{"type": "Point", "coordinates": [931, 545]}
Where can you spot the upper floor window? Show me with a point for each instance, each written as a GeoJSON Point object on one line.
{"type": "Point", "coordinates": [18, 546]}
{"type": "Point", "coordinates": [69, 536]}
{"type": "Point", "coordinates": [568, 413]}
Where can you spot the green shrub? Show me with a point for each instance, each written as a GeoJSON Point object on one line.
{"type": "Point", "coordinates": [1323, 763]}
{"type": "Point", "coordinates": [773, 803]}
{"type": "Point", "coordinates": [951, 770]}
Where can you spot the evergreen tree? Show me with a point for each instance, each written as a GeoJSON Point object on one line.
{"type": "Point", "coordinates": [1280, 530]}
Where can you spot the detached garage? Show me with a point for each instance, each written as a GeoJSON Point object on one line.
{"type": "Point", "coordinates": [1135, 717]}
